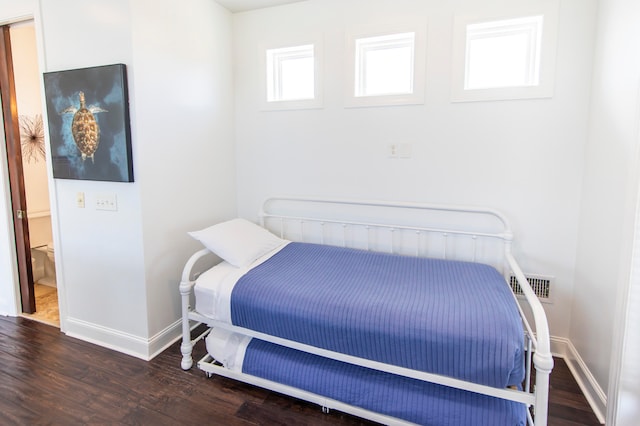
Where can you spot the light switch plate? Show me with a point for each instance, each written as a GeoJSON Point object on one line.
{"type": "Point", "coordinates": [80, 200]}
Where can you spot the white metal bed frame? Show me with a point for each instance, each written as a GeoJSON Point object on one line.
{"type": "Point", "coordinates": [537, 342]}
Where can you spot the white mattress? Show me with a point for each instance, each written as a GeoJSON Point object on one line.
{"type": "Point", "coordinates": [227, 348]}
{"type": "Point", "coordinates": [213, 288]}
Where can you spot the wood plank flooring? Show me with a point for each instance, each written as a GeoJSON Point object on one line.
{"type": "Point", "coordinates": [49, 378]}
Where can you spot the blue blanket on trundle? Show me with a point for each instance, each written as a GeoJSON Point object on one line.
{"type": "Point", "coordinates": [401, 397]}
{"type": "Point", "coordinates": [453, 318]}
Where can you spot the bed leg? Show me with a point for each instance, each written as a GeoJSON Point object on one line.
{"type": "Point", "coordinates": [544, 365]}
{"type": "Point", "coordinates": [187, 346]}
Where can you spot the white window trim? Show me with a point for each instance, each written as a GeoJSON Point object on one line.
{"type": "Point", "coordinates": [548, 42]}
{"type": "Point", "coordinates": [419, 68]}
{"type": "Point", "coordinates": [274, 70]}
{"type": "Point", "coordinates": [532, 26]}
{"type": "Point", "coordinates": [316, 101]}
{"type": "Point", "coordinates": [362, 47]}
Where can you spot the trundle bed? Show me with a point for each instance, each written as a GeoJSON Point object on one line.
{"type": "Point", "coordinates": [395, 312]}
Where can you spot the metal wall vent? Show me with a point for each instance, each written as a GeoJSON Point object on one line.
{"type": "Point", "coordinates": [541, 286]}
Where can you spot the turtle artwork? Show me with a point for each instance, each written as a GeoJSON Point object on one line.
{"type": "Point", "coordinates": [89, 126]}
{"type": "Point", "coordinates": [84, 127]}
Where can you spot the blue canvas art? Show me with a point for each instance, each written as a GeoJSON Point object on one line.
{"type": "Point", "coordinates": [88, 116]}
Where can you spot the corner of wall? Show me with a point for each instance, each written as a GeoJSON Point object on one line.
{"type": "Point", "coordinates": [596, 397]}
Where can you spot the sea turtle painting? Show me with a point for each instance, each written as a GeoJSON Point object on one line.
{"type": "Point", "coordinates": [84, 127]}
{"type": "Point", "coordinates": [88, 123]}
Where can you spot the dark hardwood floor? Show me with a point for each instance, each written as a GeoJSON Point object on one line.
{"type": "Point", "coordinates": [49, 378]}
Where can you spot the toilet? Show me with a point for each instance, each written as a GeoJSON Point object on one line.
{"type": "Point", "coordinates": [50, 264]}
{"type": "Point", "coordinates": [37, 265]}
{"type": "Point", "coordinates": [42, 252]}
{"type": "Point", "coordinates": [43, 265]}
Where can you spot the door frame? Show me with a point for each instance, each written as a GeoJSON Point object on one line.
{"type": "Point", "coordinates": [16, 180]}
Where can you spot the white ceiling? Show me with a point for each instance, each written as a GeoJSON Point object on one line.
{"type": "Point", "coordinates": [244, 5]}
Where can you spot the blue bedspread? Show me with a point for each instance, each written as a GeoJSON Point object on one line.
{"type": "Point", "coordinates": [446, 317]}
{"type": "Point", "coordinates": [409, 399]}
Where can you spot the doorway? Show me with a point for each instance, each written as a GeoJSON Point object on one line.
{"type": "Point", "coordinates": [36, 261]}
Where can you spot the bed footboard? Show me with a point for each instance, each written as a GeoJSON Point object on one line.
{"type": "Point", "coordinates": [541, 339]}
{"type": "Point", "coordinates": [197, 263]}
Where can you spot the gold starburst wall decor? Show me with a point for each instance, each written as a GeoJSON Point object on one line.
{"type": "Point", "coordinates": [32, 137]}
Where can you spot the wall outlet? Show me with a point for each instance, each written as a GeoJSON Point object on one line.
{"type": "Point", "coordinates": [106, 201]}
{"type": "Point", "coordinates": [405, 150]}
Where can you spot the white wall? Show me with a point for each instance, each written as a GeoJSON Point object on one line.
{"type": "Point", "coordinates": [186, 157]}
{"type": "Point", "coordinates": [610, 191]}
{"type": "Point", "coordinates": [522, 157]}
{"type": "Point", "coordinates": [624, 388]}
{"type": "Point", "coordinates": [118, 272]}
{"type": "Point", "coordinates": [101, 260]}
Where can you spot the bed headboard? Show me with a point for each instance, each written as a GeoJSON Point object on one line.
{"type": "Point", "coordinates": [426, 230]}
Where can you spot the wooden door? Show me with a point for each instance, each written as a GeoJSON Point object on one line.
{"type": "Point", "coordinates": [16, 181]}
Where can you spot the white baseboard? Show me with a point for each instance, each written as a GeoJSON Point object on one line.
{"type": "Point", "coordinates": [164, 339]}
{"type": "Point", "coordinates": [594, 394]}
{"type": "Point", "coordinates": [139, 347]}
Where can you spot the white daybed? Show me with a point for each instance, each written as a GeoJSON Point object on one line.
{"type": "Point", "coordinates": [432, 360]}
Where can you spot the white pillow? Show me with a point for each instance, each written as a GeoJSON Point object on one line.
{"type": "Point", "coordinates": [238, 241]}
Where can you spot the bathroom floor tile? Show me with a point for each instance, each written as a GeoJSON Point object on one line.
{"type": "Point", "coordinates": [46, 305]}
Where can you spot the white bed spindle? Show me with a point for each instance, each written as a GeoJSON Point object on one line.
{"type": "Point", "coordinates": [474, 239]}
{"type": "Point", "coordinates": [368, 239]}
{"type": "Point", "coordinates": [445, 235]}
{"type": "Point", "coordinates": [392, 248]}
{"type": "Point", "coordinates": [527, 379]}
{"type": "Point", "coordinates": [344, 235]}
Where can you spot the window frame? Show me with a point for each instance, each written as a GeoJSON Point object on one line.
{"type": "Point", "coordinates": [266, 81]}
{"type": "Point", "coordinates": [275, 77]}
{"type": "Point", "coordinates": [417, 96]}
{"type": "Point", "coordinates": [531, 26]}
{"type": "Point", "coordinates": [546, 51]}
{"type": "Point", "coordinates": [365, 45]}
